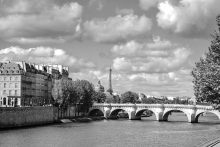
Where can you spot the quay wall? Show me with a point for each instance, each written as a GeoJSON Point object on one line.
{"type": "Point", "coordinates": [25, 116]}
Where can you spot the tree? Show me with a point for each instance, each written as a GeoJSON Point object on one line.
{"type": "Point", "coordinates": [146, 100]}
{"type": "Point", "coordinates": [99, 97]}
{"type": "Point", "coordinates": [206, 74]}
{"type": "Point", "coordinates": [86, 93]}
{"type": "Point", "coordinates": [112, 99]}
{"type": "Point", "coordinates": [61, 92]}
{"type": "Point", "coordinates": [129, 97]}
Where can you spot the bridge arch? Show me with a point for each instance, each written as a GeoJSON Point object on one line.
{"type": "Point", "coordinates": [96, 112]}
{"type": "Point", "coordinates": [168, 112]}
{"type": "Point", "coordinates": [114, 113]}
{"type": "Point", "coordinates": [140, 111]}
{"type": "Point", "coordinates": [198, 114]}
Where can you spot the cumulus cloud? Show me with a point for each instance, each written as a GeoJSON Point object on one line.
{"type": "Point", "coordinates": [118, 28]}
{"type": "Point", "coordinates": [152, 57]}
{"type": "Point", "coordinates": [124, 11]}
{"type": "Point", "coordinates": [153, 64]}
{"type": "Point", "coordinates": [146, 4]}
{"type": "Point", "coordinates": [134, 49]}
{"type": "Point", "coordinates": [37, 21]}
{"type": "Point", "coordinates": [98, 4]}
{"type": "Point", "coordinates": [188, 17]}
{"type": "Point", "coordinates": [45, 55]}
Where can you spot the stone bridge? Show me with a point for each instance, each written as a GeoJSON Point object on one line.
{"type": "Point", "coordinates": [161, 111]}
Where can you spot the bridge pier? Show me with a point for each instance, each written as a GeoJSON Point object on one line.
{"type": "Point", "coordinates": [191, 118]}
{"type": "Point", "coordinates": [159, 116]}
{"type": "Point", "coordinates": [132, 116]}
{"type": "Point", "coordinates": [107, 110]}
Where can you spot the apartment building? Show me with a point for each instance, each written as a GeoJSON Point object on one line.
{"type": "Point", "coordinates": [27, 84]}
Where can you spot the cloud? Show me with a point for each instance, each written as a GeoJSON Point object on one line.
{"type": "Point", "coordinates": [135, 49]}
{"type": "Point", "coordinates": [147, 4]}
{"type": "Point", "coordinates": [118, 28]}
{"type": "Point", "coordinates": [98, 4]}
{"type": "Point", "coordinates": [46, 55]}
{"type": "Point", "coordinates": [124, 11]}
{"type": "Point", "coordinates": [193, 18]}
{"type": "Point", "coordinates": [159, 56]}
{"type": "Point", "coordinates": [152, 64]}
{"type": "Point", "coordinates": [37, 21]}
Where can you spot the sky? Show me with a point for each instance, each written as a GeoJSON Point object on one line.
{"type": "Point", "coordinates": [151, 45]}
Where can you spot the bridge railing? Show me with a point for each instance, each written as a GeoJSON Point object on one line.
{"type": "Point", "coordinates": [151, 105]}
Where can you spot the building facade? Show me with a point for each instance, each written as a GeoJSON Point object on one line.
{"type": "Point", "coordinates": [26, 84]}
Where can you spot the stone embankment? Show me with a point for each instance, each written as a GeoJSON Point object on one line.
{"type": "Point", "coordinates": [84, 119]}
{"type": "Point", "coordinates": [25, 116]}
{"type": "Point", "coordinates": [13, 117]}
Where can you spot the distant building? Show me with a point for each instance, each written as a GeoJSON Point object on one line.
{"type": "Point", "coordinates": [99, 87]}
{"type": "Point", "coordinates": [141, 96]}
{"type": "Point", "coordinates": [27, 84]}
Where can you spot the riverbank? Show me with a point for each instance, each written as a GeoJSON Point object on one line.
{"type": "Point", "coordinates": [80, 119]}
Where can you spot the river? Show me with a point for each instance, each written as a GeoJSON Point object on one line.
{"type": "Point", "coordinates": [117, 133]}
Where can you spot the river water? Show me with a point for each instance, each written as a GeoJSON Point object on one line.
{"type": "Point", "coordinates": [117, 133]}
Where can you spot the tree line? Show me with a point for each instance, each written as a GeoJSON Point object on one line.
{"type": "Point", "coordinates": [68, 93]}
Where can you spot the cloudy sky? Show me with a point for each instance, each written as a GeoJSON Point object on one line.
{"type": "Point", "coordinates": [151, 45]}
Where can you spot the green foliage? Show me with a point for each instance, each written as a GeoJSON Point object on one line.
{"type": "Point", "coordinates": [129, 97]}
{"type": "Point", "coordinates": [99, 97]}
{"type": "Point", "coordinates": [206, 74]}
{"type": "Point", "coordinates": [86, 93]}
{"type": "Point", "coordinates": [146, 100]}
{"type": "Point", "coordinates": [61, 92]}
{"type": "Point", "coordinates": [66, 92]}
{"type": "Point", "coordinates": [112, 99]}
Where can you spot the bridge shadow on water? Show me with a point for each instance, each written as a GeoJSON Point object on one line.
{"type": "Point", "coordinates": [208, 119]}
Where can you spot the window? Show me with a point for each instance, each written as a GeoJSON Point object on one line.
{"type": "Point", "coordinates": [16, 101]}
{"type": "Point", "coordinates": [4, 101]}
{"type": "Point", "coordinates": [5, 78]}
{"type": "Point", "coordinates": [10, 85]}
{"type": "Point", "coordinates": [4, 92]}
{"type": "Point", "coordinates": [16, 92]}
{"type": "Point", "coordinates": [9, 92]}
{"type": "Point", "coordinates": [16, 78]}
{"type": "Point", "coordinates": [10, 78]}
{"type": "Point", "coordinates": [16, 85]}
{"type": "Point", "coordinates": [9, 101]}
{"type": "Point", "coordinates": [4, 85]}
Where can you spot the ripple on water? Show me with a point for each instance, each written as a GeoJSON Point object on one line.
{"type": "Point", "coordinates": [120, 133]}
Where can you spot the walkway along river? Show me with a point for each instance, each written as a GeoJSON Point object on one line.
{"type": "Point", "coordinates": [176, 132]}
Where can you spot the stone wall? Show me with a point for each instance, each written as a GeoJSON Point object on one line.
{"type": "Point", "coordinates": [25, 116]}
{"type": "Point", "coordinates": [66, 113]}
